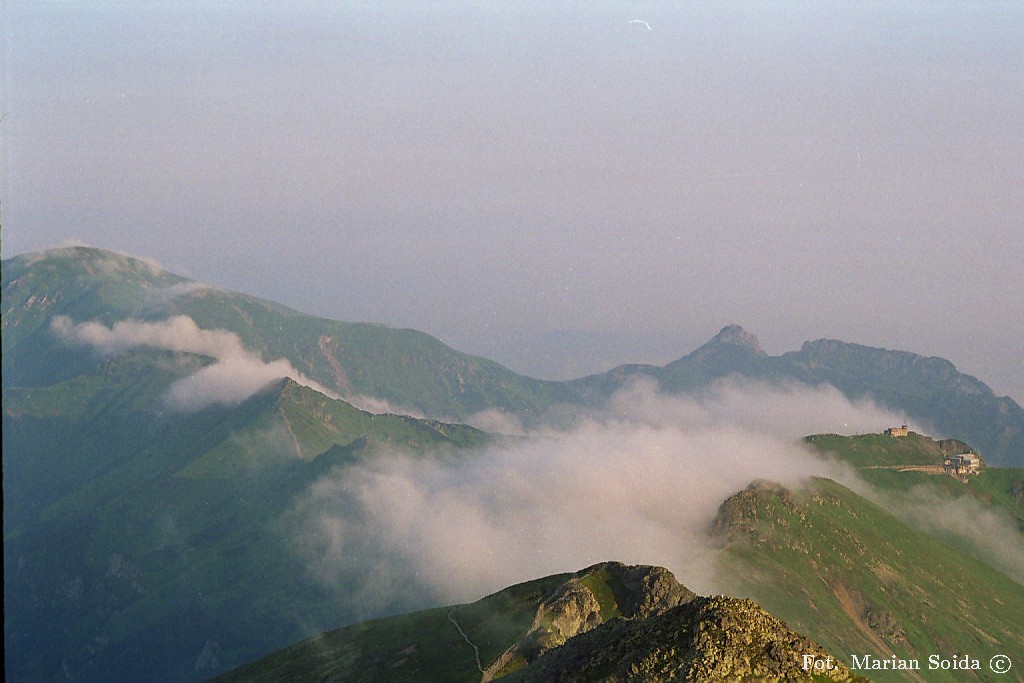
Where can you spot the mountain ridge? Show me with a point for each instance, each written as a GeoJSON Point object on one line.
{"type": "Point", "coordinates": [410, 371]}
{"type": "Point", "coordinates": [927, 389]}
{"type": "Point", "coordinates": [407, 369]}
{"type": "Point", "coordinates": [608, 622]}
{"type": "Point", "coordinates": [832, 563]}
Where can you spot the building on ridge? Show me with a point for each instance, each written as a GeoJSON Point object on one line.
{"type": "Point", "coordinates": [961, 465]}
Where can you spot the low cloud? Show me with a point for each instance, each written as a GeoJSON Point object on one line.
{"type": "Point", "coordinates": [380, 406]}
{"type": "Point", "coordinates": [640, 482]}
{"type": "Point", "coordinates": [987, 532]}
{"type": "Point", "coordinates": [236, 373]}
{"type": "Point", "coordinates": [157, 296]}
{"type": "Point", "coordinates": [496, 421]}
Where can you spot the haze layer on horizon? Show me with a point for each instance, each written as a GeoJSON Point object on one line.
{"type": "Point", "coordinates": [596, 184]}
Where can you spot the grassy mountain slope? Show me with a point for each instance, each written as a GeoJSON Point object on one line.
{"type": "Point", "coordinates": [837, 566]}
{"type": "Point", "coordinates": [908, 465]}
{"type": "Point", "coordinates": [881, 450]}
{"type": "Point", "coordinates": [409, 369]}
{"type": "Point", "coordinates": [148, 546]}
{"type": "Point", "coordinates": [608, 622]}
{"type": "Point", "coordinates": [977, 513]}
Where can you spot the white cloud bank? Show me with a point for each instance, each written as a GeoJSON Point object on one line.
{"type": "Point", "coordinates": [236, 373]}
{"type": "Point", "coordinates": [988, 532]}
{"type": "Point", "coordinates": [640, 483]}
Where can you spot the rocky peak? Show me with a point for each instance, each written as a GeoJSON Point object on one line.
{"type": "Point", "coordinates": [734, 335]}
{"type": "Point", "coordinates": [705, 639]}
{"type": "Point", "coordinates": [590, 598]}
{"type": "Point", "coordinates": [642, 590]}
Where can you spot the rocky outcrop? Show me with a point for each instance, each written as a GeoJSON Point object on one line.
{"type": "Point", "coordinates": [613, 622]}
{"type": "Point", "coordinates": [705, 639]}
{"type": "Point", "coordinates": [734, 335]}
{"type": "Point", "coordinates": [588, 599]}
{"type": "Point", "coordinates": [739, 515]}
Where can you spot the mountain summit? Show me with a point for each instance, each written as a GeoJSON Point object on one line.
{"type": "Point", "coordinates": [928, 390]}
{"type": "Point", "coordinates": [735, 336]}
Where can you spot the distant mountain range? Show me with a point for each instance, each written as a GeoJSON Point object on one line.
{"type": "Point", "coordinates": [925, 389]}
{"type": "Point", "coordinates": [153, 453]}
{"type": "Point", "coordinates": [408, 371]}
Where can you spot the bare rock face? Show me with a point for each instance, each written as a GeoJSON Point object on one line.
{"type": "Point", "coordinates": [572, 610]}
{"type": "Point", "coordinates": [734, 335]}
{"type": "Point", "coordinates": [704, 639]}
{"type": "Point", "coordinates": [649, 590]}
{"type": "Point", "coordinates": [589, 599]}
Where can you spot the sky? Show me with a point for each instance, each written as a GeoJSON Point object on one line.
{"type": "Point", "coordinates": [560, 188]}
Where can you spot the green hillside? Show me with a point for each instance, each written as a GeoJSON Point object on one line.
{"type": "Point", "coordinates": [911, 465]}
{"type": "Point", "coordinates": [881, 450]}
{"type": "Point", "coordinates": [837, 566]}
{"type": "Point", "coordinates": [125, 528]}
{"type": "Point", "coordinates": [409, 369]}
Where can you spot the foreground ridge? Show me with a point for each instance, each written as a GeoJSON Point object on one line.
{"type": "Point", "coordinates": [609, 622]}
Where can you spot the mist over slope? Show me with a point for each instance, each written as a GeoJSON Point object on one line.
{"type": "Point", "coordinates": [640, 480]}
{"type": "Point", "coordinates": [235, 374]}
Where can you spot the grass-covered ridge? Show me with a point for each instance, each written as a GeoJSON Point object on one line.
{"type": "Point", "coordinates": [407, 368]}
{"type": "Point", "coordinates": [304, 424]}
{"type": "Point", "coordinates": [911, 465]}
{"type": "Point", "coordinates": [833, 564]}
{"type": "Point", "coordinates": [882, 450]}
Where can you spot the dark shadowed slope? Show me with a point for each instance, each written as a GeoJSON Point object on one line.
{"type": "Point", "coordinates": [141, 545]}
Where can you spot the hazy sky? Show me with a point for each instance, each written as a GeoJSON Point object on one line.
{"type": "Point", "coordinates": [491, 173]}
